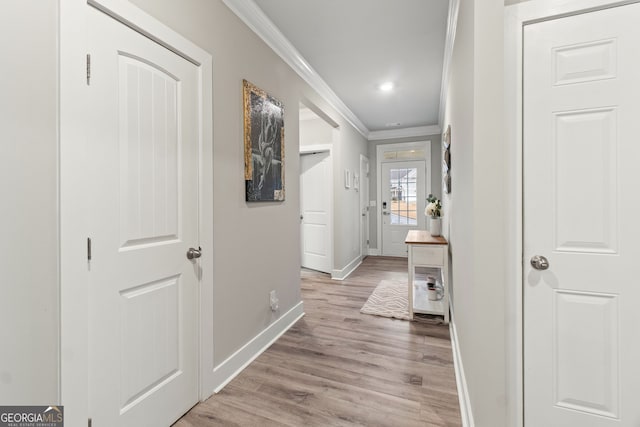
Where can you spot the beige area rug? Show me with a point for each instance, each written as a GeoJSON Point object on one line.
{"type": "Point", "coordinates": [389, 299]}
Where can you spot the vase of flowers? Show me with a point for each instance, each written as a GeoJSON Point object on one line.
{"type": "Point", "coordinates": [434, 212]}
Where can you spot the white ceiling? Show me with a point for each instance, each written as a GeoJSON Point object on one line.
{"type": "Point", "coordinates": [355, 45]}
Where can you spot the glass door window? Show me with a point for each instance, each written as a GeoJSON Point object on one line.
{"type": "Point", "coordinates": [403, 196]}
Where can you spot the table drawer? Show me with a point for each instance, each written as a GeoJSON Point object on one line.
{"type": "Point", "coordinates": [432, 255]}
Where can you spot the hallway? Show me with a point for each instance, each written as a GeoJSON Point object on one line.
{"type": "Point", "coordinates": [337, 367]}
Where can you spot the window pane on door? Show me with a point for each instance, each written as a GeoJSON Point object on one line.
{"type": "Point", "coordinates": [403, 184]}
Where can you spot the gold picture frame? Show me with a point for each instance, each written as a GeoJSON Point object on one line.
{"type": "Point", "coordinates": [263, 145]}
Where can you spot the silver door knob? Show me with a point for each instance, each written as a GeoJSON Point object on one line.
{"type": "Point", "coordinates": [539, 262]}
{"type": "Point", "coordinates": [385, 213]}
{"type": "Point", "coordinates": [194, 253]}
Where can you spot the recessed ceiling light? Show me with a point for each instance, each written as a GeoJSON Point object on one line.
{"type": "Point", "coordinates": [394, 124]}
{"type": "Point", "coordinates": [386, 87]}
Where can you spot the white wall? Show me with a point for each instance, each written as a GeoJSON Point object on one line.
{"type": "Point", "coordinates": [29, 313]}
{"type": "Point", "coordinates": [435, 170]}
{"type": "Point", "coordinates": [475, 209]}
{"type": "Point", "coordinates": [315, 132]}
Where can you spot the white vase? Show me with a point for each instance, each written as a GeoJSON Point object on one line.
{"type": "Point", "coordinates": [435, 226]}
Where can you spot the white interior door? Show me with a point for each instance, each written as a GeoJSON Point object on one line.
{"type": "Point", "coordinates": [364, 205]}
{"type": "Point", "coordinates": [402, 205]}
{"type": "Point", "coordinates": [315, 208]}
{"type": "Point", "coordinates": [143, 297]}
{"type": "Point", "coordinates": [581, 210]}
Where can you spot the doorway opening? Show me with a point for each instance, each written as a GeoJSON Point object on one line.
{"type": "Point", "coordinates": [317, 136]}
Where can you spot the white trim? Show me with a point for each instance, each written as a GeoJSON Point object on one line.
{"type": "Point", "coordinates": [415, 132]}
{"type": "Point", "coordinates": [256, 19]}
{"type": "Point", "coordinates": [364, 174]}
{"type": "Point", "coordinates": [135, 18]}
{"type": "Point", "coordinates": [234, 364]}
{"type": "Point", "coordinates": [374, 252]}
{"type": "Point", "coordinates": [74, 331]}
{"type": "Point", "coordinates": [315, 148]}
{"type": "Point", "coordinates": [466, 413]}
{"type": "Point", "coordinates": [516, 16]}
{"type": "Point", "coordinates": [345, 272]}
{"type": "Point", "coordinates": [452, 22]}
{"type": "Point", "coordinates": [73, 188]}
{"type": "Point", "coordinates": [380, 149]}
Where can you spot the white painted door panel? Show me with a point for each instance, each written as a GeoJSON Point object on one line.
{"type": "Point", "coordinates": [402, 205]}
{"type": "Point", "coordinates": [315, 201]}
{"type": "Point", "coordinates": [143, 149]}
{"type": "Point", "coordinates": [364, 206]}
{"type": "Point", "coordinates": [581, 210]}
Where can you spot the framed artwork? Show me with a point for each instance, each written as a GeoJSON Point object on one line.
{"type": "Point", "coordinates": [446, 137]}
{"type": "Point", "coordinates": [263, 145]}
{"type": "Point", "coordinates": [446, 183]}
{"type": "Point", "coordinates": [446, 160]}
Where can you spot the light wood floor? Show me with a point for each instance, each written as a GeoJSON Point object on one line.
{"type": "Point", "coordinates": [337, 367]}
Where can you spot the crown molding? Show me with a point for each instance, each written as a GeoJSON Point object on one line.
{"type": "Point", "coordinates": [256, 19]}
{"type": "Point", "coordinates": [418, 131]}
{"type": "Point", "coordinates": [452, 22]}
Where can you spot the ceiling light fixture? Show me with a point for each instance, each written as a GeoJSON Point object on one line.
{"type": "Point", "coordinates": [386, 87]}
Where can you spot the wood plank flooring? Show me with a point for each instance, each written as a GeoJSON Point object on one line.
{"type": "Point", "coordinates": [337, 367]}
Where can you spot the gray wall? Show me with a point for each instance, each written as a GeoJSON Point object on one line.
{"type": "Point", "coordinates": [475, 211]}
{"type": "Point", "coordinates": [346, 213]}
{"type": "Point", "coordinates": [29, 317]}
{"type": "Point", "coordinates": [256, 246]}
{"type": "Point", "coordinates": [435, 170]}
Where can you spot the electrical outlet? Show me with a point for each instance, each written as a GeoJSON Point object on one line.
{"type": "Point", "coordinates": [273, 300]}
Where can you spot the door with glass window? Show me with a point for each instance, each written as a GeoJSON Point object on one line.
{"type": "Point", "coordinates": [402, 204]}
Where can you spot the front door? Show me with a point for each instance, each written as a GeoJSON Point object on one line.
{"type": "Point", "coordinates": [143, 291]}
{"type": "Point", "coordinates": [315, 207]}
{"type": "Point", "coordinates": [403, 202]}
{"type": "Point", "coordinates": [581, 210]}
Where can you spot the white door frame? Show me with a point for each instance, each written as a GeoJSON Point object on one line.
{"type": "Point", "coordinates": [74, 230]}
{"type": "Point", "coordinates": [380, 150]}
{"type": "Point", "coordinates": [364, 175]}
{"type": "Point", "coordinates": [325, 148]}
{"type": "Point", "coordinates": [516, 16]}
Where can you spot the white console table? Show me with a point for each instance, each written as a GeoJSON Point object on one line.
{"type": "Point", "coordinates": [428, 251]}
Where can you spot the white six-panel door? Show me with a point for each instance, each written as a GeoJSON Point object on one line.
{"type": "Point", "coordinates": [581, 212]}
{"type": "Point", "coordinates": [143, 152]}
{"type": "Point", "coordinates": [315, 206]}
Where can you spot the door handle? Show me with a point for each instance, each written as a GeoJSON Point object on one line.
{"type": "Point", "coordinates": [385, 213]}
{"type": "Point", "coordinates": [194, 253]}
{"type": "Point", "coordinates": [539, 262]}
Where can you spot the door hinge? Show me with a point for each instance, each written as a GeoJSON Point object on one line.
{"type": "Point", "coordinates": [367, 241]}
{"type": "Point", "coordinates": [88, 248]}
{"type": "Point", "coordinates": [89, 422]}
{"type": "Point", "coordinates": [88, 69]}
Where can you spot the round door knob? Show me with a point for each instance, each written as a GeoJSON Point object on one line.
{"type": "Point", "coordinates": [539, 262]}
{"type": "Point", "coordinates": [194, 253]}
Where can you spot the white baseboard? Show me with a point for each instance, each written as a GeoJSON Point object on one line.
{"type": "Point", "coordinates": [463, 392]}
{"type": "Point", "coordinates": [374, 252]}
{"type": "Point", "coordinates": [345, 272]}
{"type": "Point", "coordinates": [234, 364]}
